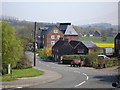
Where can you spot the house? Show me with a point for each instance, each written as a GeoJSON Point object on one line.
{"type": "Point", "coordinates": [91, 47]}
{"type": "Point", "coordinates": [117, 45]}
{"type": "Point", "coordinates": [65, 47]}
{"type": "Point", "coordinates": [84, 47]}
{"type": "Point", "coordinates": [61, 47]}
{"type": "Point", "coordinates": [97, 33]}
{"type": "Point", "coordinates": [49, 36]}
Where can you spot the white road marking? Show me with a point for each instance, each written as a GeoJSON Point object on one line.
{"type": "Point", "coordinates": [83, 81]}
{"type": "Point", "coordinates": [80, 84]}
{"type": "Point", "coordinates": [19, 87]}
{"type": "Point", "coordinates": [86, 75]}
{"type": "Point", "coordinates": [77, 71]}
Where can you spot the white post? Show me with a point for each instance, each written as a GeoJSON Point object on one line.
{"type": "Point", "coordinates": [9, 68]}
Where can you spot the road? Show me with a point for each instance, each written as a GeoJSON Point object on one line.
{"type": "Point", "coordinates": [76, 77]}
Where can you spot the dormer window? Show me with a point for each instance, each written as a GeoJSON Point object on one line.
{"type": "Point", "coordinates": [55, 31]}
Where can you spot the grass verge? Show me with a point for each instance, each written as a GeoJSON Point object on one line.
{"type": "Point", "coordinates": [21, 73]}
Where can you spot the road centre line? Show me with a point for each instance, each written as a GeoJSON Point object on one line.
{"type": "Point", "coordinates": [80, 84]}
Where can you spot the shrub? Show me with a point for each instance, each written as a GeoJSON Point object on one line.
{"type": "Point", "coordinates": [24, 63]}
{"type": "Point", "coordinates": [89, 60]}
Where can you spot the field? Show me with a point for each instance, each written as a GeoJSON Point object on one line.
{"type": "Point", "coordinates": [109, 43]}
{"type": "Point", "coordinates": [97, 39]}
{"type": "Point", "coordinates": [105, 45]}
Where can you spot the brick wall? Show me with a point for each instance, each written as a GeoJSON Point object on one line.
{"type": "Point", "coordinates": [48, 41]}
{"type": "Point", "coordinates": [72, 37]}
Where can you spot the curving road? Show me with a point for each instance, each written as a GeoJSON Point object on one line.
{"type": "Point", "coordinates": [75, 77]}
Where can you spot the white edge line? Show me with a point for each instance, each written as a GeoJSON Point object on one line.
{"type": "Point", "coordinates": [80, 84]}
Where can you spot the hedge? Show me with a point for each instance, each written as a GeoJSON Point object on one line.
{"type": "Point", "coordinates": [91, 60]}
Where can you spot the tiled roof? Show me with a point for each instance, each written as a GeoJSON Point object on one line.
{"type": "Point", "coordinates": [89, 44]}
{"type": "Point", "coordinates": [63, 28]}
{"type": "Point", "coordinates": [49, 28]}
{"type": "Point", "coordinates": [70, 30]}
{"type": "Point", "coordinates": [59, 43]}
{"type": "Point", "coordinates": [73, 43]}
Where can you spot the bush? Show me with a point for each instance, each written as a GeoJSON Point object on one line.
{"type": "Point", "coordinates": [24, 63]}
{"type": "Point", "coordinates": [89, 60]}
{"type": "Point", "coordinates": [110, 63]}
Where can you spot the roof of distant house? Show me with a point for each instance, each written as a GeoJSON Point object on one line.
{"type": "Point", "coordinates": [89, 44]}
{"type": "Point", "coordinates": [70, 30]}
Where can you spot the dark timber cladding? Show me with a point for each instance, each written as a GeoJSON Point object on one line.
{"type": "Point", "coordinates": [117, 45]}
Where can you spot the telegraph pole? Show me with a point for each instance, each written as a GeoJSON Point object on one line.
{"type": "Point", "coordinates": [35, 29]}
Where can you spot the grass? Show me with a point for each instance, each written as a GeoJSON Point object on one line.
{"type": "Point", "coordinates": [21, 73]}
{"type": "Point", "coordinates": [97, 39]}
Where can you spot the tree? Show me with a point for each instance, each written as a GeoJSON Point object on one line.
{"type": "Point", "coordinates": [12, 49]}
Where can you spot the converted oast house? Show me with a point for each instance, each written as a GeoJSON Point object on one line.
{"type": "Point", "coordinates": [52, 33]}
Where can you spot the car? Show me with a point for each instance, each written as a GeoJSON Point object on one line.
{"type": "Point", "coordinates": [116, 85]}
{"type": "Point", "coordinates": [104, 57]}
{"type": "Point", "coordinates": [76, 63]}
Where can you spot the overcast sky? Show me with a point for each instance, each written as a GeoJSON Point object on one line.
{"type": "Point", "coordinates": [77, 13]}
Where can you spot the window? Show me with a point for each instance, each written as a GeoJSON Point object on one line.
{"type": "Point", "coordinates": [80, 50]}
{"type": "Point", "coordinates": [52, 37]}
{"type": "Point", "coordinates": [55, 31]}
{"type": "Point", "coordinates": [52, 42]}
{"type": "Point", "coordinates": [58, 36]}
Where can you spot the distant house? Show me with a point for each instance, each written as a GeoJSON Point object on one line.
{"type": "Point", "coordinates": [49, 36]}
{"type": "Point", "coordinates": [97, 33]}
{"type": "Point", "coordinates": [65, 47]}
{"type": "Point", "coordinates": [117, 45]}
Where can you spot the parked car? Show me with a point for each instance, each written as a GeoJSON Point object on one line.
{"type": "Point", "coordinates": [104, 57]}
{"type": "Point", "coordinates": [116, 85]}
{"type": "Point", "coordinates": [76, 63]}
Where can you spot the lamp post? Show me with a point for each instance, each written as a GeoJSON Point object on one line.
{"type": "Point", "coordinates": [35, 29]}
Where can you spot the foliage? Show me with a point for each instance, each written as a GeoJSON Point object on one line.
{"type": "Point", "coordinates": [21, 73]}
{"type": "Point", "coordinates": [12, 49]}
{"type": "Point", "coordinates": [88, 59]}
{"type": "Point", "coordinates": [110, 63]}
{"type": "Point", "coordinates": [47, 51]}
{"type": "Point", "coordinates": [24, 63]}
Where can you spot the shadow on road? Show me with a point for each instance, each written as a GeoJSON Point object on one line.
{"type": "Point", "coordinates": [107, 78]}
{"type": "Point", "coordinates": [46, 60]}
